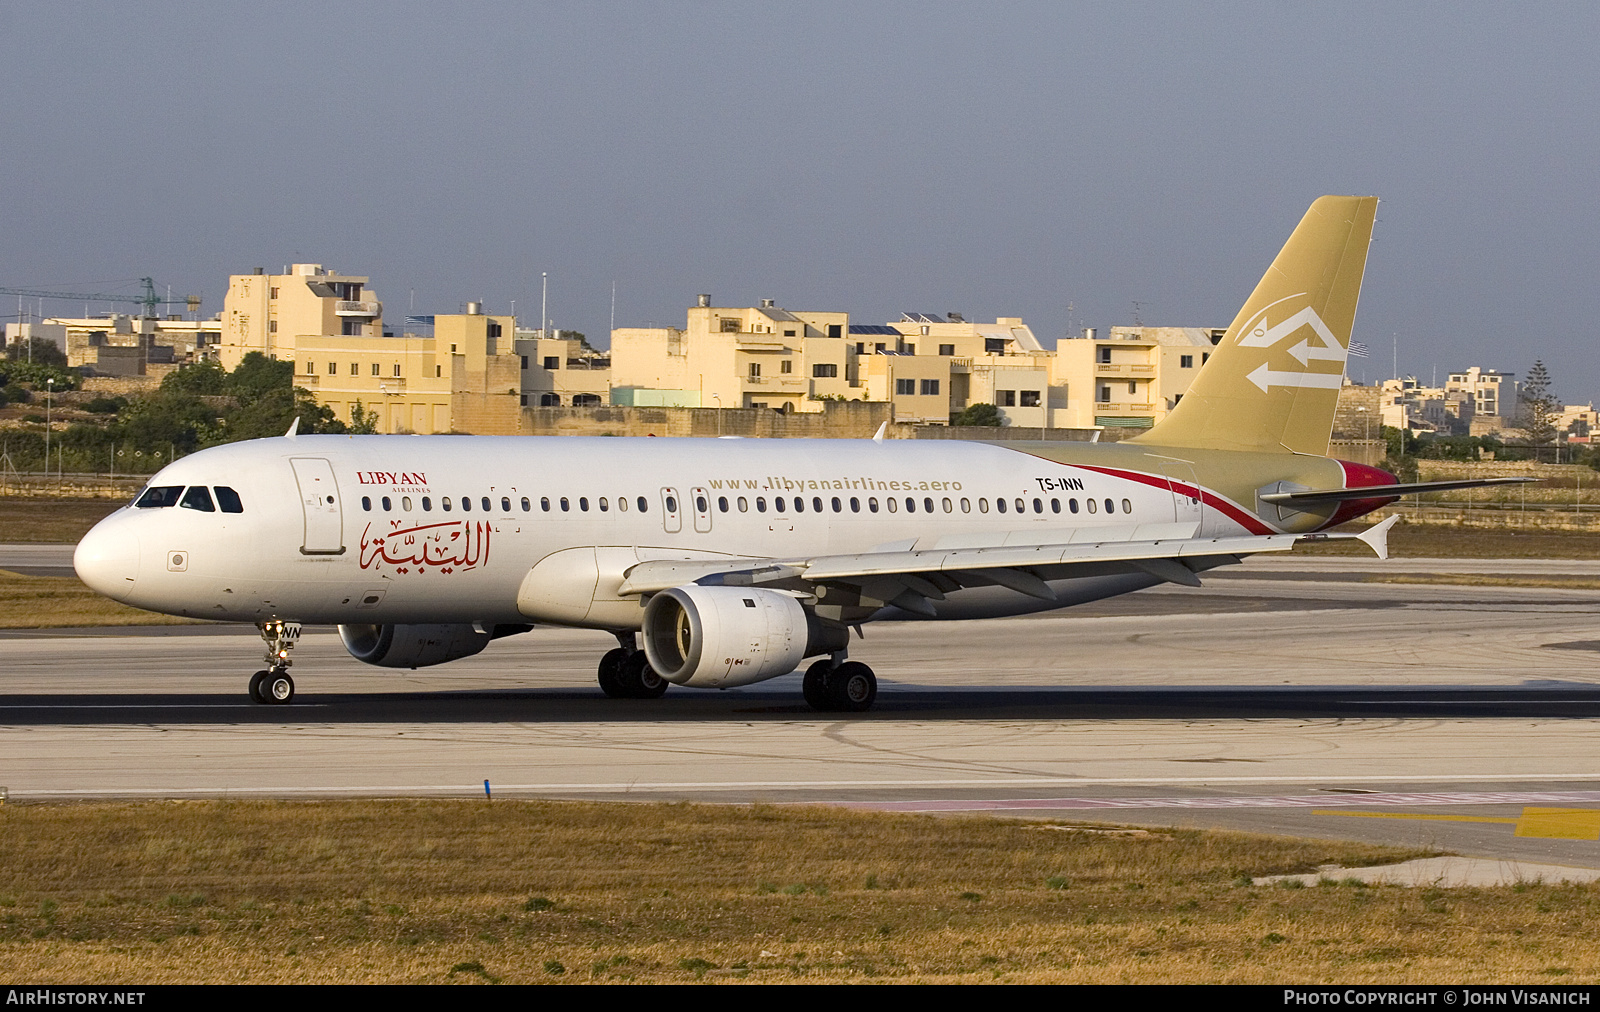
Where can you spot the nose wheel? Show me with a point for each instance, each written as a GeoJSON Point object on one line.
{"type": "Point", "coordinates": [273, 685]}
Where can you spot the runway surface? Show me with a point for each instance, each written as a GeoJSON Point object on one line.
{"type": "Point", "coordinates": [1280, 699]}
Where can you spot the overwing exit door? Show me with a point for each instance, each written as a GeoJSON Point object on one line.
{"type": "Point", "coordinates": [319, 501]}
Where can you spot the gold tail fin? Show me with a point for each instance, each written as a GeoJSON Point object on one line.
{"type": "Point", "coordinates": [1273, 381]}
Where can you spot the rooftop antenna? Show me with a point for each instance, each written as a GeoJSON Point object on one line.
{"type": "Point", "coordinates": [613, 306]}
{"type": "Point", "coordinates": [544, 304]}
{"type": "Point", "coordinates": [1136, 321]}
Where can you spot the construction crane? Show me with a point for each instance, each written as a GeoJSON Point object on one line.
{"type": "Point", "coordinates": [149, 300]}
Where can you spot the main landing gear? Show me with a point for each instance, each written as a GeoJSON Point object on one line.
{"type": "Point", "coordinates": [273, 685]}
{"type": "Point", "coordinates": [625, 673]}
{"type": "Point", "coordinates": [831, 687]}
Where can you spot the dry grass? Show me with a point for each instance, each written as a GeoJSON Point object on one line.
{"type": "Point", "coordinates": [468, 891]}
{"type": "Point", "coordinates": [1487, 580]}
{"type": "Point", "coordinates": [42, 602]}
{"type": "Point", "coordinates": [51, 521]}
{"type": "Point", "coordinates": [1440, 541]}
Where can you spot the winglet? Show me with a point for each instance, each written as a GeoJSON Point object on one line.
{"type": "Point", "coordinates": [878, 436]}
{"type": "Point", "coordinates": [1377, 536]}
{"type": "Point", "coordinates": [294, 427]}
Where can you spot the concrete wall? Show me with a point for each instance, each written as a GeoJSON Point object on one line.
{"type": "Point", "coordinates": [837, 420]}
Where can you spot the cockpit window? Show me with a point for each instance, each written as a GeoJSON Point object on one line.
{"type": "Point", "coordinates": [228, 499]}
{"type": "Point", "coordinates": [159, 496]}
{"type": "Point", "coordinates": [197, 498]}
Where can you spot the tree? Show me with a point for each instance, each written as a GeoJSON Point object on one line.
{"type": "Point", "coordinates": [1539, 409]}
{"type": "Point", "coordinates": [978, 414]}
{"type": "Point", "coordinates": [199, 378]}
{"type": "Point", "coordinates": [363, 420]}
{"type": "Point", "coordinates": [38, 350]}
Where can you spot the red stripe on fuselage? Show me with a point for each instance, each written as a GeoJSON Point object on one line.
{"type": "Point", "coordinates": [1248, 521]}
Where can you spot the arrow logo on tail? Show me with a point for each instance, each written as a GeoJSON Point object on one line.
{"type": "Point", "coordinates": [1305, 353]}
{"type": "Point", "coordinates": [1257, 336]}
{"type": "Point", "coordinates": [1266, 378]}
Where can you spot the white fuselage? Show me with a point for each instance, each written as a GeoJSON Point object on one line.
{"type": "Point", "coordinates": [372, 529]}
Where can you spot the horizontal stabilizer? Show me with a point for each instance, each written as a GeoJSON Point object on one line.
{"type": "Point", "coordinates": [1383, 491]}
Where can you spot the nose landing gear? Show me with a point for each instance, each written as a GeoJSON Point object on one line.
{"type": "Point", "coordinates": [274, 685]}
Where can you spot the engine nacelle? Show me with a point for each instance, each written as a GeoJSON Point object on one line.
{"type": "Point", "coordinates": [719, 637]}
{"type": "Point", "coordinates": [417, 646]}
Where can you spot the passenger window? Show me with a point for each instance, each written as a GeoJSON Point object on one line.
{"type": "Point", "coordinates": [486, 506]}
{"type": "Point", "coordinates": [816, 504]}
{"type": "Point", "coordinates": [526, 505]}
{"type": "Point", "coordinates": [622, 503]}
{"type": "Point", "coordinates": [505, 505]}
{"type": "Point", "coordinates": [405, 503]}
{"type": "Point", "coordinates": [927, 505]}
{"type": "Point", "coordinates": [197, 498]}
{"type": "Point", "coordinates": [872, 504]}
{"type": "Point", "coordinates": [911, 505]}
{"type": "Point", "coordinates": [159, 497]}
{"type": "Point", "coordinates": [387, 506]}
{"type": "Point", "coordinates": [605, 505]}
{"type": "Point", "coordinates": [566, 507]}
{"type": "Point", "coordinates": [1022, 507]}
{"type": "Point", "coordinates": [1127, 506]}
{"type": "Point", "coordinates": [983, 505]}
{"type": "Point", "coordinates": [892, 503]}
{"type": "Point", "coordinates": [1038, 507]}
{"type": "Point", "coordinates": [838, 507]}
{"type": "Point", "coordinates": [583, 503]}
{"type": "Point", "coordinates": [946, 504]}
{"type": "Point", "coordinates": [672, 504]}
{"type": "Point", "coordinates": [229, 500]}
{"type": "Point", "coordinates": [744, 505]}
{"type": "Point", "coordinates": [427, 505]}
{"type": "Point", "coordinates": [466, 505]}
{"type": "Point", "coordinates": [700, 505]}
{"type": "Point", "coordinates": [999, 505]}
{"type": "Point", "coordinates": [799, 504]}
{"type": "Point", "coordinates": [366, 503]}
{"type": "Point", "coordinates": [445, 502]}
{"type": "Point", "coordinates": [855, 505]}
{"type": "Point", "coordinates": [644, 504]}
{"type": "Point", "coordinates": [1072, 504]}
{"type": "Point", "coordinates": [761, 504]}
{"type": "Point", "coordinates": [722, 503]}
{"type": "Point", "coordinates": [1055, 505]}
{"type": "Point", "coordinates": [544, 503]}
{"type": "Point", "coordinates": [777, 503]}
{"type": "Point", "coordinates": [1090, 504]}
{"type": "Point", "coordinates": [1110, 507]}
{"type": "Point", "coordinates": [966, 505]}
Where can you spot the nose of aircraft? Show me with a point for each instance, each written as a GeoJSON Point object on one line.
{"type": "Point", "coordinates": [107, 559]}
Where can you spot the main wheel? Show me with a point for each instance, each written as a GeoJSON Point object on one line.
{"type": "Point", "coordinates": [852, 687]}
{"type": "Point", "coordinates": [639, 680]}
{"type": "Point", "coordinates": [611, 672]}
{"type": "Point", "coordinates": [278, 688]}
{"type": "Point", "coordinates": [815, 687]}
{"type": "Point", "coordinates": [256, 693]}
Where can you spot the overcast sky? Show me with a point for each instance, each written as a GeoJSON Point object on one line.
{"type": "Point", "coordinates": [990, 158]}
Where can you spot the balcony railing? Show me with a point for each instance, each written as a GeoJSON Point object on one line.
{"type": "Point", "coordinates": [358, 308]}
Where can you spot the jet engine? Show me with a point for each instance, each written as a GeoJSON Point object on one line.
{"type": "Point", "coordinates": [417, 646]}
{"type": "Point", "coordinates": [719, 637]}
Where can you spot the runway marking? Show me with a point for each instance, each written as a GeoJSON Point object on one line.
{"type": "Point", "coordinates": [1026, 804]}
{"type": "Point", "coordinates": [1271, 801]}
{"type": "Point", "coordinates": [1539, 823]}
{"type": "Point", "coordinates": [146, 706]}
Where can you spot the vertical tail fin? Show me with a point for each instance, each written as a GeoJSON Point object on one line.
{"type": "Point", "coordinates": [1273, 381]}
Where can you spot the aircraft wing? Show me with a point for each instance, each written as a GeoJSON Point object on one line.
{"type": "Point", "coordinates": [1023, 568]}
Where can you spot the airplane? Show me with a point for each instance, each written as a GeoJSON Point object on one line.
{"type": "Point", "coordinates": [735, 560]}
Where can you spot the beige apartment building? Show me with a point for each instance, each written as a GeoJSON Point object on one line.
{"type": "Point", "coordinates": [121, 345]}
{"type": "Point", "coordinates": [466, 377]}
{"type": "Point", "coordinates": [562, 371]}
{"type": "Point", "coordinates": [1130, 379]}
{"type": "Point", "coordinates": [269, 313]}
{"type": "Point", "coordinates": [1495, 396]}
{"type": "Point", "coordinates": [750, 357]}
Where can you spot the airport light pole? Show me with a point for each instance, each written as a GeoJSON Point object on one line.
{"type": "Point", "coordinates": [49, 388]}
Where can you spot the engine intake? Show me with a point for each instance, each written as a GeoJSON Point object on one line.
{"type": "Point", "coordinates": [418, 646]}
{"type": "Point", "coordinates": [719, 637]}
